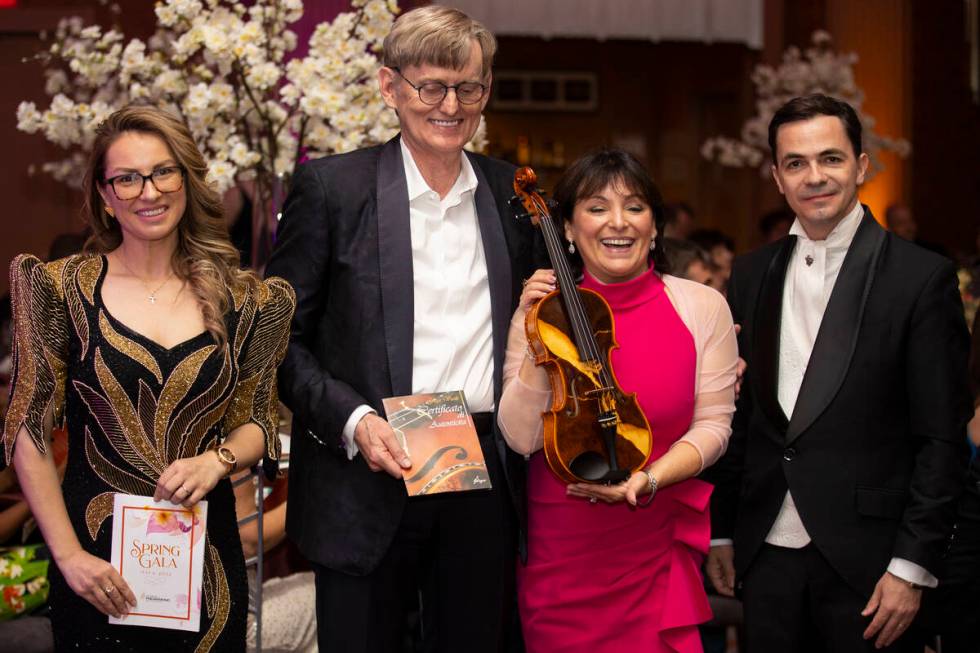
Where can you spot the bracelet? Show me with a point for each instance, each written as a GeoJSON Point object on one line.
{"type": "Point", "coordinates": [652, 484]}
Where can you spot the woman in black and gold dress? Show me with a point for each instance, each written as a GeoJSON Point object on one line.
{"type": "Point", "coordinates": [161, 356]}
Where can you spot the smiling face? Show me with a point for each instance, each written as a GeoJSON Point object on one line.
{"type": "Point", "coordinates": [440, 130]}
{"type": "Point", "coordinates": [613, 230]}
{"type": "Point", "coordinates": [818, 172]}
{"type": "Point", "coordinates": [152, 216]}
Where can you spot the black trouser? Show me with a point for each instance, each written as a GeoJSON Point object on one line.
{"type": "Point", "coordinates": [456, 552]}
{"type": "Point", "coordinates": [795, 601]}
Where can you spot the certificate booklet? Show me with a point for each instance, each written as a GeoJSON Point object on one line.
{"type": "Point", "coordinates": [158, 548]}
{"type": "Point", "coordinates": [437, 432]}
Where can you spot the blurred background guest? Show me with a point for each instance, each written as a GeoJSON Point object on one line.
{"type": "Point", "coordinates": [721, 250]}
{"type": "Point", "coordinates": [687, 261]}
{"type": "Point", "coordinates": [952, 610]}
{"type": "Point", "coordinates": [775, 225]}
{"type": "Point", "coordinates": [679, 222]}
{"type": "Point", "coordinates": [901, 222]}
{"type": "Point", "coordinates": [288, 602]}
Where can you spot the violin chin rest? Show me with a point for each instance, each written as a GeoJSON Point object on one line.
{"type": "Point", "coordinates": [593, 467]}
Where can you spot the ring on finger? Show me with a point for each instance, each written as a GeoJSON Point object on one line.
{"type": "Point", "coordinates": [109, 589]}
{"type": "Point", "coordinates": [593, 499]}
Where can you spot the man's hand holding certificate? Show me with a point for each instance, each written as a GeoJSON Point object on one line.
{"type": "Point", "coordinates": [437, 432]}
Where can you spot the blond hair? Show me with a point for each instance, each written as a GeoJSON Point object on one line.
{"type": "Point", "coordinates": [204, 258]}
{"type": "Point", "coordinates": [438, 36]}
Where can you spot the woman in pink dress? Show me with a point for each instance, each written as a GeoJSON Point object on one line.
{"type": "Point", "coordinates": [611, 568]}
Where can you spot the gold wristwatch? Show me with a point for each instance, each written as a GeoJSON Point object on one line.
{"type": "Point", "coordinates": [228, 457]}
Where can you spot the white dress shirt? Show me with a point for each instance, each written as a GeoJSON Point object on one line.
{"type": "Point", "coordinates": [810, 277]}
{"type": "Point", "coordinates": [452, 345]}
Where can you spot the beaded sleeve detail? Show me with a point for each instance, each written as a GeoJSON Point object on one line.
{"type": "Point", "coordinates": [40, 344]}
{"type": "Point", "coordinates": [266, 336]}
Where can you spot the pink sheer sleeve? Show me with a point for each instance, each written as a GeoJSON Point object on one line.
{"type": "Point", "coordinates": [527, 393]}
{"type": "Point", "coordinates": [707, 316]}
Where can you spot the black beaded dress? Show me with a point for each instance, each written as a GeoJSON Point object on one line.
{"type": "Point", "coordinates": [132, 407]}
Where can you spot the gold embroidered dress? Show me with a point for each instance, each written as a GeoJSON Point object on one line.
{"type": "Point", "coordinates": [132, 407]}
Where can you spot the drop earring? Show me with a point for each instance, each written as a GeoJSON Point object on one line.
{"type": "Point", "coordinates": [571, 247]}
{"type": "Point", "coordinates": [653, 244]}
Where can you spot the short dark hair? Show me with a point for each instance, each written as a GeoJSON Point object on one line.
{"type": "Point", "coordinates": [811, 106]}
{"type": "Point", "coordinates": [596, 170]}
{"type": "Point", "coordinates": [708, 239]}
{"type": "Point", "coordinates": [672, 210]}
{"type": "Point", "coordinates": [681, 253]}
{"type": "Point", "coordinates": [773, 219]}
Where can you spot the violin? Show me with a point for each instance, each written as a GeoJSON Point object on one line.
{"type": "Point", "coordinates": [594, 432]}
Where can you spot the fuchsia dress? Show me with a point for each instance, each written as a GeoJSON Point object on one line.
{"type": "Point", "coordinates": [603, 577]}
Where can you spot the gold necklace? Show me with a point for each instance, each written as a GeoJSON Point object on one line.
{"type": "Point", "coordinates": [152, 296]}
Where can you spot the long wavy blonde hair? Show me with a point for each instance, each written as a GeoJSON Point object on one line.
{"type": "Point", "coordinates": [204, 258]}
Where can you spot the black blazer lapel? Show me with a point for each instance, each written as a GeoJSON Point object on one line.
{"type": "Point", "coordinates": [395, 266]}
{"type": "Point", "coordinates": [837, 337]}
{"type": "Point", "coordinates": [496, 254]}
{"type": "Point", "coordinates": [765, 345]}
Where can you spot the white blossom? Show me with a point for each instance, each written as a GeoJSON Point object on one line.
{"type": "Point", "coordinates": [263, 76]}
{"type": "Point", "coordinates": [818, 69]}
{"type": "Point", "coordinates": [224, 67]}
{"type": "Point", "coordinates": [221, 174]}
{"type": "Point", "coordinates": [28, 117]}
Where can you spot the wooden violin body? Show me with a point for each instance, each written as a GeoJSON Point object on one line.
{"type": "Point", "coordinates": [594, 432]}
{"type": "Point", "coordinates": [574, 445]}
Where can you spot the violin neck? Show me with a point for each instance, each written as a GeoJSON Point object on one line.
{"type": "Point", "coordinates": [585, 342]}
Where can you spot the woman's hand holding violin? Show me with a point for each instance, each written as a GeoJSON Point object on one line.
{"type": "Point", "coordinates": [630, 490]}
{"type": "Point", "coordinates": [537, 286]}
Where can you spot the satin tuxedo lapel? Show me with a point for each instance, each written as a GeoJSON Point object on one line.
{"type": "Point", "coordinates": [395, 262]}
{"type": "Point", "coordinates": [498, 272]}
{"type": "Point", "coordinates": [837, 337]}
{"type": "Point", "coordinates": [767, 319]}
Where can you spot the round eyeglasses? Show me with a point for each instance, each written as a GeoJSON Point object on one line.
{"type": "Point", "coordinates": [432, 93]}
{"type": "Point", "coordinates": [129, 186]}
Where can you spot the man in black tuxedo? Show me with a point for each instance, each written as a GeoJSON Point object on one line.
{"type": "Point", "coordinates": [848, 448]}
{"type": "Point", "coordinates": [407, 266]}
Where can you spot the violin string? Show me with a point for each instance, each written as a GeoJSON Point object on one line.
{"type": "Point", "coordinates": [577, 312]}
{"type": "Point", "coordinates": [574, 308]}
{"type": "Point", "coordinates": [588, 339]}
{"type": "Point", "coordinates": [577, 315]}
{"type": "Point", "coordinates": [584, 337]}
{"type": "Point", "coordinates": [565, 282]}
